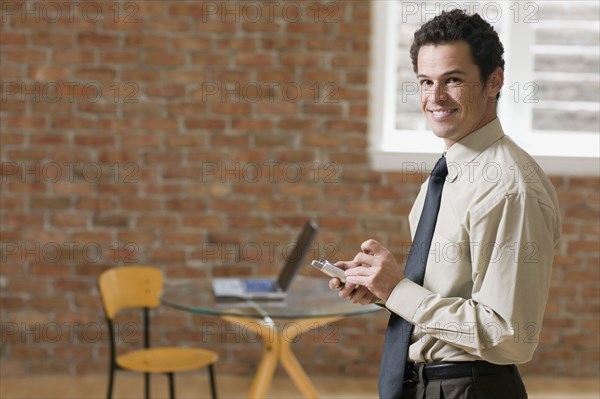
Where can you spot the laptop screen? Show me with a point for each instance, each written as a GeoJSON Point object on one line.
{"type": "Point", "coordinates": [296, 255]}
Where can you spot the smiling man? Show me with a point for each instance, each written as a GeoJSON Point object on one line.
{"type": "Point", "coordinates": [469, 303]}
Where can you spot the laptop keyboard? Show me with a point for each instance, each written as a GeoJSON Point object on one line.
{"type": "Point", "coordinates": [259, 285]}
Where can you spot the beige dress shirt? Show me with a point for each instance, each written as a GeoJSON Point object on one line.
{"type": "Point", "coordinates": [488, 270]}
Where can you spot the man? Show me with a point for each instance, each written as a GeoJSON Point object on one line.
{"type": "Point", "coordinates": [487, 261]}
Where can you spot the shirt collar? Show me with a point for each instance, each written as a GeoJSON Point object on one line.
{"type": "Point", "coordinates": [459, 155]}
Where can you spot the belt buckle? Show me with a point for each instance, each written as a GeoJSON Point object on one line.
{"type": "Point", "coordinates": [410, 374]}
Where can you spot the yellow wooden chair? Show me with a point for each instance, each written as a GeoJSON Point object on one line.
{"type": "Point", "coordinates": [141, 287]}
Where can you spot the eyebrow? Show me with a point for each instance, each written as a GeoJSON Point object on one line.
{"type": "Point", "coordinates": [452, 72]}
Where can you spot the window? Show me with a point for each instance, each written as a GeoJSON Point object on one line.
{"type": "Point", "coordinates": [550, 100]}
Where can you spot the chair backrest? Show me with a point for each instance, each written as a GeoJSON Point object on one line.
{"type": "Point", "coordinates": [130, 287]}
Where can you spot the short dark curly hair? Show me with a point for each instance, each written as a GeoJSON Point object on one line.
{"type": "Point", "coordinates": [456, 25]}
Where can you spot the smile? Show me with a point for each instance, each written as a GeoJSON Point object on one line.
{"type": "Point", "coordinates": [442, 113]}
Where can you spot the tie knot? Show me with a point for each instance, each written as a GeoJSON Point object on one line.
{"type": "Point", "coordinates": [440, 170]}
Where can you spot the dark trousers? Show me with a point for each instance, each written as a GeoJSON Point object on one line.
{"type": "Point", "coordinates": [505, 384]}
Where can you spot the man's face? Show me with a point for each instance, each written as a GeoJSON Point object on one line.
{"type": "Point", "coordinates": [453, 98]}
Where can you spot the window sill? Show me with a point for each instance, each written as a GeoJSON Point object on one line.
{"type": "Point", "coordinates": [412, 163]}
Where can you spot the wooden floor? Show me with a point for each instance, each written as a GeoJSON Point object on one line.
{"type": "Point", "coordinates": [129, 386]}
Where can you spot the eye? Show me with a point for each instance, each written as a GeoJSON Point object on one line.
{"type": "Point", "coordinates": [454, 81]}
{"type": "Point", "coordinates": [425, 84]}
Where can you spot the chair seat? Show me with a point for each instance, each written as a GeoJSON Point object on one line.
{"type": "Point", "coordinates": [166, 359]}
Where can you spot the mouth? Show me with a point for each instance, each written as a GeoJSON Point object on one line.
{"type": "Point", "coordinates": [440, 114]}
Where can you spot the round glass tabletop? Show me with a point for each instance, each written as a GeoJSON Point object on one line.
{"type": "Point", "coordinates": [307, 297]}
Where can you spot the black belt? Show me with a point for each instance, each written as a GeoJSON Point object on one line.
{"type": "Point", "coordinates": [447, 370]}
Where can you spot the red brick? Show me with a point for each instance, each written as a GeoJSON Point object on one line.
{"type": "Point", "coordinates": [68, 220]}
{"type": "Point", "coordinates": [55, 40]}
{"type": "Point", "coordinates": [137, 237]}
{"type": "Point", "coordinates": [348, 158]}
{"type": "Point", "coordinates": [280, 43]}
{"type": "Point", "coordinates": [204, 222]}
{"type": "Point", "coordinates": [164, 58]}
{"type": "Point", "coordinates": [70, 56]}
{"type": "Point", "coordinates": [350, 61]}
{"type": "Point", "coordinates": [202, 59]}
{"type": "Point", "coordinates": [310, 28]}
{"type": "Point", "coordinates": [301, 60]}
{"type": "Point", "coordinates": [209, 124]}
{"type": "Point", "coordinates": [96, 75]}
{"type": "Point", "coordinates": [323, 109]}
{"type": "Point", "coordinates": [13, 39]}
{"type": "Point", "coordinates": [157, 221]}
{"type": "Point", "coordinates": [95, 141]}
{"type": "Point", "coordinates": [91, 204]}
{"type": "Point", "coordinates": [276, 108]}
{"type": "Point", "coordinates": [97, 40]}
{"type": "Point", "coordinates": [267, 27]}
{"type": "Point", "coordinates": [254, 60]}
{"type": "Point", "coordinates": [584, 182]}
{"type": "Point", "coordinates": [97, 108]}
{"type": "Point", "coordinates": [170, 25]}
{"type": "Point", "coordinates": [26, 56]}
{"type": "Point", "coordinates": [347, 126]}
{"type": "Point", "coordinates": [192, 43]}
{"type": "Point", "coordinates": [354, 29]}
{"type": "Point", "coordinates": [140, 75]}
{"type": "Point", "coordinates": [584, 246]}
{"type": "Point", "coordinates": [27, 122]}
{"type": "Point", "coordinates": [184, 9]}
{"type": "Point", "coordinates": [142, 108]}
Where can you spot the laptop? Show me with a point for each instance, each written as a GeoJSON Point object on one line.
{"type": "Point", "coordinates": [269, 288]}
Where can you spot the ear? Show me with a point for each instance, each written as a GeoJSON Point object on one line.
{"type": "Point", "coordinates": [495, 83]}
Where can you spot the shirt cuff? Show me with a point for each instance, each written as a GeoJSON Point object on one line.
{"type": "Point", "coordinates": [406, 298]}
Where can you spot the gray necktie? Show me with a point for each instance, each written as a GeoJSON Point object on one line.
{"type": "Point", "coordinates": [397, 336]}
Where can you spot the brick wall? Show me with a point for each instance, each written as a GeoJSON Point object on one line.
{"type": "Point", "coordinates": [149, 132]}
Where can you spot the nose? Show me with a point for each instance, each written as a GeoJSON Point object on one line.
{"type": "Point", "coordinates": [439, 92]}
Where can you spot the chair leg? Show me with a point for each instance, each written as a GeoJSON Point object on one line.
{"type": "Point", "coordinates": [147, 385]}
{"type": "Point", "coordinates": [213, 385]}
{"type": "Point", "coordinates": [171, 385]}
{"type": "Point", "coordinates": [111, 377]}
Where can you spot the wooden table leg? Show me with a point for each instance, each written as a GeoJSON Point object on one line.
{"type": "Point", "coordinates": [277, 346]}
{"type": "Point", "coordinates": [291, 363]}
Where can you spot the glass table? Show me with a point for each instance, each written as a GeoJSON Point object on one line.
{"type": "Point", "coordinates": [309, 304]}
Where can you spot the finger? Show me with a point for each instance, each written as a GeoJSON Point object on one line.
{"type": "Point", "coordinates": [360, 271]}
{"type": "Point", "coordinates": [335, 283]}
{"type": "Point", "coordinates": [359, 294]}
{"type": "Point", "coordinates": [347, 290]}
{"type": "Point", "coordinates": [345, 264]}
{"type": "Point", "coordinates": [357, 280]}
{"type": "Point", "coordinates": [369, 298]}
{"type": "Point", "coordinates": [363, 259]}
{"type": "Point", "coordinates": [371, 246]}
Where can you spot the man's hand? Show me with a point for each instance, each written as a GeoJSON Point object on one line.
{"type": "Point", "coordinates": [374, 268]}
{"type": "Point", "coordinates": [356, 293]}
